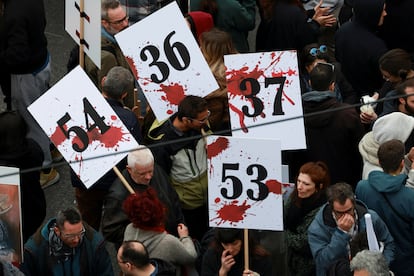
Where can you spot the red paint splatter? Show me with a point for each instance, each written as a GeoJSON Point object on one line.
{"type": "Point", "coordinates": [235, 77]}
{"type": "Point", "coordinates": [109, 139]}
{"type": "Point", "coordinates": [58, 137]}
{"type": "Point", "coordinates": [170, 112]}
{"type": "Point", "coordinates": [217, 147]}
{"type": "Point", "coordinates": [131, 64]}
{"type": "Point", "coordinates": [174, 93]}
{"type": "Point", "coordinates": [274, 186]}
{"type": "Point", "coordinates": [113, 118]}
{"type": "Point", "coordinates": [232, 212]}
{"type": "Point", "coordinates": [217, 200]}
{"type": "Point", "coordinates": [241, 117]}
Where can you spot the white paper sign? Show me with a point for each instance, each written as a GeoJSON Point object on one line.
{"type": "Point", "coordinates": [92, 26]}
{"type": "Point", "coordinates": [166, 60]}
{"type": "Point", "coordinates": [244, 183]}
{"type": "Point", "coordinates": [83, 126]}
{"type": "Point", "coordinates": [264, 88]}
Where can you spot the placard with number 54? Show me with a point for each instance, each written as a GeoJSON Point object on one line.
{"type": "Point", "coordinates": [83, 126]}
{"type": "Point", "coordinates": [264, 95]}
{"type": "Point", "coordinates": [244, 183]}
{"type": "Point", "coordinates": [166, 60]}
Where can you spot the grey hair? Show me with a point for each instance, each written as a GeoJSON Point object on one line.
{"type": "Point", "coordinates": [108, 5]}
{"type": "Point", "coordinates": [142, 156]}
{"type": "Point", "coordinates": [117, 81]}
{"type": "Point", "coordinates": [371, 261]}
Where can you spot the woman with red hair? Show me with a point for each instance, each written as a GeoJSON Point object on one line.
{"type": "Point", "coordinates": [147, 216]}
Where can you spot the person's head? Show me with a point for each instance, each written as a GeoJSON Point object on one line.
{"type": "Point", "coordinates": [311, 55]}
{"type": "Point", "coordinates": [13, 130]}
{"type": "Point", "coordinates": [230, 239]}
{"type": "Point", "coordinates": [341, 198]}
{"type": "Point", "coordinates": [116, 83]}
{"type": "Point", "coordinates": [214, 44]}
{"type": "Point", "coordinates": [141, 165]}
{"type": "Point", "coordinates": [391, 156]}
{"type": "Point", "coordinates": [313, 177]}
{"type": "Point", "coordinates": [133, 256]}
{"type": "Point", "coordinates": [69, 227]}
{"type": "Point", "coordinates": [113, 16]}
{"type": "Point", "coordinates": [322, 77]}
{"type": "Point", "coordinates": [193, 112]}
{"type": "Point", "coordinates": [369, 13]}
{"type": "Point", "coordinates": [369, 263]}
{"type": "Point", "coordinates": [395, 65]}
{"type": "Point", "coordinates": [145, 210]}
{"type": "Point", "coordinates": [406, 103]}
{"type": "Point", "coordinates": [199, 22]}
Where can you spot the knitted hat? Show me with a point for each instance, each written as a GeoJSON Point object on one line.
{"type": "Point", "coordinates": [396, 125]}
{"type": "Point", "coordinates": [200, 22]}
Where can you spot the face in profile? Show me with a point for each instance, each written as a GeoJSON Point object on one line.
{"type": "Point", "coordinates": [200, 121]}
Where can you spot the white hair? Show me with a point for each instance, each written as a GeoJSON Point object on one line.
{"type": "Point", "coordinates": [141, 156]}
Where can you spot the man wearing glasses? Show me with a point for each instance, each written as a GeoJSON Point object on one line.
{"type": "Point", "coordinates": [185, 160]}
{"type": "Point", "coordinates": [114, 20]}
{"type": "Point", "coordinates": [336, 227]}
{"type": "Point", "coordinates": [66, 246]}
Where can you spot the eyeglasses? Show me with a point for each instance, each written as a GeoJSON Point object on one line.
{"type": "Point", "coordinates": [120, 21]}
{"type": "Point", "coordinates": [327, 64]}
{"type": "Point", "coordinates": [321, 50]}
{"type": "Point", "coordinates": [74, 236]}
{"type": "Point", "coordinates": [339, 214]}
{"type": "Point", "coordinates": [202, 121]}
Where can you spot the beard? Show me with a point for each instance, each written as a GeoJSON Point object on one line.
{"type": "Point", "coordinates": [409, 109]}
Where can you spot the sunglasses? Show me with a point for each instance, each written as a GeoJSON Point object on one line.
{"type": "Point", "coordinates": [316, 51]}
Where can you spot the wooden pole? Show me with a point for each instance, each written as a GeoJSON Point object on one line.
{"type": "Point", "coordinates": [123, 180]}
{"type": "Point", "coordinates": [246, 249]}
{"type": "Point", "coordinates": [81, 34]}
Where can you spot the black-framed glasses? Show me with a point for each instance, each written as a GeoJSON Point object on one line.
{"type": "Point", "coordinates": [74, 236]}
{"type": "Point", "coordinates": [316, 51]}
{"type": "Point", "coordinates": [120, 21]}
{"type": "Point", "coordinates": [327, 64]}
{"type": "Point", "coordinates": [339, 214]}
{"type": "Point", "coordinates": [202, 121]}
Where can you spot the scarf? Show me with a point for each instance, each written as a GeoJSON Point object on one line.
{"type": "Point", "coordinates": [58, 249]}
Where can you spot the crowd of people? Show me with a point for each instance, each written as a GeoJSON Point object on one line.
{"type": "Point", "coordinates": [358, 160]}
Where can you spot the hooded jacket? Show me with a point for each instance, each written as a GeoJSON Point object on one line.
{"type": "Point", "coordinates": [358, 48]}
{"type": "Point", "coordinates": [373, 192]}
{"type": "Point", "coordinates": [328, 243]}
{"type": "Point", "coordinates": [333, 136]}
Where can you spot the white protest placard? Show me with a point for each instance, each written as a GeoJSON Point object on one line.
{"type": "Point", "coordinates": [244, 183]}
{"type": "Point", "coordinates": [11, 238]}
{"type": "Point", "coordinates": [92, 26]}
{"type": "Point", "coordinates": [166, 60]}
{"type": "Point", "coordinates": [83, 126]}
{"type": "Point", "coordinates": [264, 88]}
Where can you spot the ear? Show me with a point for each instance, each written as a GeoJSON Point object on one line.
{"type": "Point", "coordinates": [103, 81]}
{"type": "Point", "coordinates": [401, 100]}
{"type": "Point", "coordinates": [332, 86]}
{"type": "Point", "coordinates": [105, 24]}
{"type": "Point", "coordinates": [56, 230]}
{"type": "Point", "coordinates": [124, 95]}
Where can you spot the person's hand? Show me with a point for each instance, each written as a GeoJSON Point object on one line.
{"type": "Point", "coordinates": [227, 261]}
{"type": "Point", "coordinates": [368, 117]}
{"type": "Point", "coordinates": [322, 16]}
{"type": "Point", "coordinates": [248, 272]}
{"type": "Point", "coordinates": [345, 222]}
{"type": "Point", "coordinates": [182, 230]}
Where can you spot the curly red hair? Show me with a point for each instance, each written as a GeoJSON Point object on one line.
{"type": "Point", "coordinates": [145, 210]}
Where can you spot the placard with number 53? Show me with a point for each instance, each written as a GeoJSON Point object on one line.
{"type": "Point", "coordinates": [244, 183]}
{"type": "Point", "coordinates": [83, 126]}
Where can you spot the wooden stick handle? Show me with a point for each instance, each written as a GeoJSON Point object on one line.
{"type": "Point", "coordinates": [246, 249]}
{"type": "Point", "coordinates": [123, 180]}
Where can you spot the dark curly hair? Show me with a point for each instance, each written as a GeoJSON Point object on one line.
{"type": "Point", "coordinates": [145, 210]}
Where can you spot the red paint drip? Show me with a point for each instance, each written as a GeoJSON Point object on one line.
{"type": "Point", "coordinates": [217, 147]}
{"type": "Point", "coordinates": [232, 212]}
{"type": "Point", "coordinates": [174, 93]}
{"type": "Point", "coordinates": [131, 64]}
{"type": "Point", "coordinates": [274, 186]}
{"type": "Point", "coordinates": [235, 77]}
{"type": "Point", "coordinates": [58, 137]}
{"type": "Point", "coordinates": [241, 117]}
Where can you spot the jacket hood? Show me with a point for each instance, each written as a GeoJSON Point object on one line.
{"type": "Point", "coordinates": [317, 102]}
{"type": "Point", "coordinates": [396, 125]}
{"type": "Point", "coordinates": [200, 22]}
{"type": "Point", "coordinates": [368, 12]}
{"type": "Point", "coordinates": [385, 183]}
{"type": "Point", "coordinates": [368, 149]}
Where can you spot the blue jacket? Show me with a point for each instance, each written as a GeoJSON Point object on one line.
{"type": "Point", "coordinates": [402, 200]}
{"type": "Point", "coordinates": [329, 244]}
{"type": "Point", "coordinates": [90, 257]}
